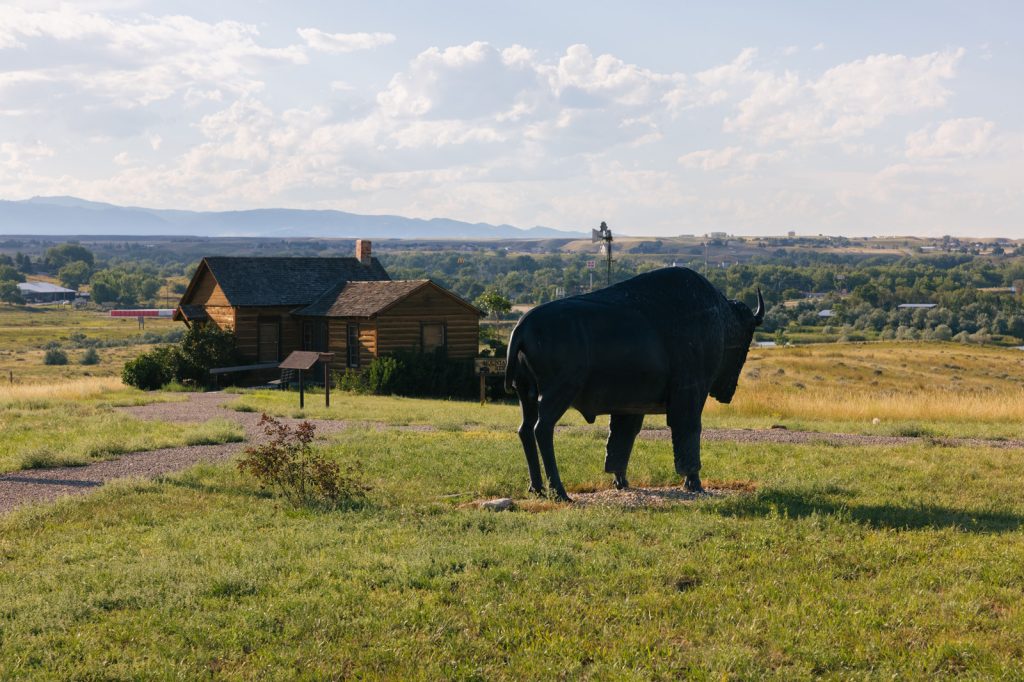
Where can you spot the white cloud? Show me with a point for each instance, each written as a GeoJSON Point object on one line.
{"type": "Point", "coordinates": [710, 159]}
{"type": "Point", "coordinates": [132, 63]}
{"type": "Point", "coordinates": [846, 101]}
{"type": "Point", "coordinates": [17, 154]}
{"type": "Point", "coordinates": [340, 43]}
{"type": "Point", "coordinates": [955, 137]}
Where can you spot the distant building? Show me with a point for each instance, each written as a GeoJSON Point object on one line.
{"type": "Point", "coordinates": [827, 312]}
{"type": "Point", "coordinates": [915, 306]}
{"type": "Point", "coordinates": [44, 292]}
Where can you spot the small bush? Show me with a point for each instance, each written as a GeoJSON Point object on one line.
{"type": "Point", "coordinates": [90, 357]}
{"type": "Point", "coordinates": [382, 374]}
{"type": "Point", "coordinates": [351, 380]}
{"type": "Point", "coordinates": [409, 373]}
{"type": "Point", "coordinates": [151, 370]}
{"type": "Point", "coordinates": [286, 462]}
{"type": "Point", "coordinates": [201, 348]}
{"type": "Point", "coordinates": [55, 356]}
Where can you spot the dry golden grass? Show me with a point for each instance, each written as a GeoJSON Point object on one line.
{"type": "Point", "coordinates": [72, 389]}
{"type": "Point", "coordinates": [893, 382]}
{"type": "Point", "coordinates": [832, 403]}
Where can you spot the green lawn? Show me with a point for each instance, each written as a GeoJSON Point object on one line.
{"type": "Point", "coordinates": [77, 422]}
{"type": "Point", "coordinates": [845, 563]}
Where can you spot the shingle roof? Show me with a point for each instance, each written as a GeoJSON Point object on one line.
{"type": "Point", "coordinates": [43, 288]}
{"type": "Point", "coordinates": [193, 312]}
{"type": "Point", "coordinates": [286, 281]}
{"type": "Point", "coordinates": [361, 299]}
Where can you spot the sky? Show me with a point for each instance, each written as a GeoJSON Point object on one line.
{"type": "Point", "coordinates": [661, 118]}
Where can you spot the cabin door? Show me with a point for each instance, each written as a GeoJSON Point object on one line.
{"type": "Point", "coordinates": [269, 334]}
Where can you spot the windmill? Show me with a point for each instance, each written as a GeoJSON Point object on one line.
{"type": "Point", "coordinates": [604, 234]}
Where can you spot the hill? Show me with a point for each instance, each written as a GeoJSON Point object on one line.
{"type": "Point", "coordinates": [73, 216]}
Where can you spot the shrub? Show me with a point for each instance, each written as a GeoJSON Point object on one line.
{"type": "Point", "coordinates": [351, 380]}
{"type": "Point", "coordinates": [201, 348]}
{"type": "Point", "coordinates": [55, 356]}
{"type": "Point", "coordinates": [409, 373]}
{"type": "Point", "coordinates": [382, 374]}
{"type": "Point", "coordinates": [90, 357]}
{"type": "Point", "coordinates": [151, 370]}
{"type": "Point", "coordinates": [286, 462]}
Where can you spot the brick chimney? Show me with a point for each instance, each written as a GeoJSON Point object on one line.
{"type": "Point", "coordinates": [363, 251]}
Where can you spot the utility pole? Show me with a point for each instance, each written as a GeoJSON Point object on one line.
{"type": "Point", "coordinates": [604, 234]}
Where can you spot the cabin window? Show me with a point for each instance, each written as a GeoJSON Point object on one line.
{"type": "Point", "coordinates": [314, 335]}
{"type": "Point", "coordinates": [268, 334]}
{"type": "Point", "coordinates": [432, 336]}
{"type": "Point", "coordinates": [352, 347]}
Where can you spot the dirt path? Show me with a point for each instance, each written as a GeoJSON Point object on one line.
{"type": "Point", "coordinates": [43, 485]}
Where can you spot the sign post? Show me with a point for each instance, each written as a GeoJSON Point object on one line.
{"type": "Point", "coordinates": [303, 360]}
{"type": "Point", "coordinates": [486, 367]}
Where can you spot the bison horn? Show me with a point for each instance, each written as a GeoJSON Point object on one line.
{"type": "Point", "coordinates": [759, 313]}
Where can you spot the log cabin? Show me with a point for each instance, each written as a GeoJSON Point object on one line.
{"type": "Point", "coordinates": [347, 306]}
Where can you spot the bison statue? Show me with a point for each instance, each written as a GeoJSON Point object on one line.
{"type": "Point", "coordinates": [658, 343]}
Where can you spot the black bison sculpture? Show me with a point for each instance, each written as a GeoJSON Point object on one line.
{"type": "Point", "coordinates": [658, 343]}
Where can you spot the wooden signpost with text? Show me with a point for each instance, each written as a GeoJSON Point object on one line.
{"type": "Point", "coordinates": [304, 360]}
{"type": "Point", "coordinates": [486, 367]}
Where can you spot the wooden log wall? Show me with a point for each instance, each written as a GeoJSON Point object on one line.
{"type": "Point", "coordinates": [337, 332]}
{"type": "Point", "coordinates": [247, 330]}
{"type": "Point", "coordinates": [209, 294]}
{"type": "Point", "coordinates": [399, 327]}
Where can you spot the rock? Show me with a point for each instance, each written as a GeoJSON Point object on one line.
{"type": "Point", "coordinates": [500, 504]}
{"type": "Point", "coordinates": [876, 421]}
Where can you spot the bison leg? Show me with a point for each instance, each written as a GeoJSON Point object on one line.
{"type": "Point", "coordinates": [684, 421]}
{"type": "Point", "coordinates": [621, 435]}
{"type": "Point", "coordinates": [552, 406]}
{"type": "Point", "coordinates": [528, 401]}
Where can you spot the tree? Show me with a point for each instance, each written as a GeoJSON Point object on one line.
{"type": "Point", "coordinates": [122, 286]}
{"type": "Point", "coordinates": [494, 303]}
{"type": "Point", "coordinates": [74, 274]}
{"type": "Point", "coordinates": [23, 262]}
{"type": "Point", "coordinates": [9, 292]}
{"type": "Point", "coordinates": [62, 254]}
{"type": "Point", "coordinates": [9, 274]}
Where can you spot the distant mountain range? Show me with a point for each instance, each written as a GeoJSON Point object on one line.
{"type": "Point", "coordinates": [72, 216]}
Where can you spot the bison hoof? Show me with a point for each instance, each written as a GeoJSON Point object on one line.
{"type": "Point", "coordinates": [561, 496]}
{"type": "Point", "coordinates": [534, 490]}
{"type": "Point", "coordinates": [619, 481]}
{"type": "Point", "coordinates": [692, 484]}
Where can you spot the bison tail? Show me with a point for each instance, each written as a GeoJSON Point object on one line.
{"type": "Point", "coordinates": [512, 363]}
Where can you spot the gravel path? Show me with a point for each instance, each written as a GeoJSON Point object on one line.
{"type": "Point", "coordinates": [837, 439]}
{"type": "Point", "coordinates": [43, 485]}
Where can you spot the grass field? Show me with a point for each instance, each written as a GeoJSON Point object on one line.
{"type": "Point", "coordinates": [25, 330]}
{"type": "Point", "coordinates": [844, 562]}
{"type": "Point", "coordinates": [916, 389]}
{"type": "Point", "coordinates": [75, 422]}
